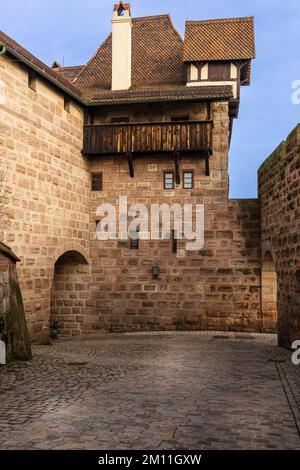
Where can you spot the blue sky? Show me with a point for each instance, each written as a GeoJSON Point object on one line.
{"type": "Point", "coordinates": [71, 30]}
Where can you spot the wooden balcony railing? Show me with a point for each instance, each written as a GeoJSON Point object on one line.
{"type": "Point", "coordinates": [153, 137]}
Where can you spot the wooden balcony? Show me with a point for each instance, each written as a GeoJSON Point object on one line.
{"type": "Point", "coordinates": [150, 137]}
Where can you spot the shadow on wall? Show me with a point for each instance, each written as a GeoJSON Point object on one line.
{"type": "Point", "coordinates": [269, 294]}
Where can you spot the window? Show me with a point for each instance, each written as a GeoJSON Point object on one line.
{"type": "Point", "coordinates": [169, 180]}
{"type": "Point", "coordinates": [134, 240]}
{"type": "Point", "coordinates": [219, 71]}
{"type": "Point", "coordinates": [174, 241]}
{"type": "Point", "coordinates": [120, 120]}
{"type": "Point", "coordinates": [185, 117]}
{"type": "Point", "coordinates": [96, 182]}
{"type": "Point", "coordinates": [67, 104]}
{"type": "Point", "coordinates": [32, 80]}
{"type": "Point", "coordinates": [188, 180]}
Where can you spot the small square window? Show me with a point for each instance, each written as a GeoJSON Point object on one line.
{"type": "Point", "coordinates": [188, 180]}
{"type": "Point", "coordinates": [32, 80]}
{"type": "Point", "coordinates": [169, 180]}
{"type": "Point", "coordinates": [96, 182]}
{"type": "Point", "coordinates": [67, 104]}
{"type": "Point", "coordinates": [174, 241]}
{"type": "Point", "coordinates": [134, 240]}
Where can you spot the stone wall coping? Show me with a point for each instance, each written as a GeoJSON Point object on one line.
{"type": "Point", "coordinates": [7, 252]}
{"type": "Point", "coordinates": [280, 149]}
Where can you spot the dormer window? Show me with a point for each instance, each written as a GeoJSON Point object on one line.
{"type": "Point", "coordinates": [219, 71]}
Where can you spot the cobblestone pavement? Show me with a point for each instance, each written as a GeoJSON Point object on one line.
{"type": "Point", "coordinates": [152, 391]}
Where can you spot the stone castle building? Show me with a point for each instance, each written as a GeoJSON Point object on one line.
{"type": "Point", "coordinates": [149, 117]}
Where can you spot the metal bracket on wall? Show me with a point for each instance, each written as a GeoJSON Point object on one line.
{"type": "Point", "coordinates": [207, 172]}
{"type": "Point", "coordinates": [177, 167]}
{"type": "Point", "coordinates": [130, 164]}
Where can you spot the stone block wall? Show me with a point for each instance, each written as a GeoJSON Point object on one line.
{"type": "Point", "coordinates": [55, 216]}
{"type": "Point", "coordinates": [216, 288]}
{"type": "Point", "coordinates": [40, 148]}
{"type": "Point", "coordinates": [279, 194]}
{"type": "Point", "coordinates": [70, 295]}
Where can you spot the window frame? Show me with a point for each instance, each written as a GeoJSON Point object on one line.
{"type": "Point", "coordinates": [192, 179]}
{"type": "Point", "coordinates": [174, 242]}
{"type": "Point", "coordinates": [93, 175]}
{"type": "Point", "coordinates": [173, 180]}
{"type": "Point", "coordinates": [135, 242]}
{"type": "Point", "coordinates": [67, 103]}
{"type": "Point", "coordinates": [32, 80]}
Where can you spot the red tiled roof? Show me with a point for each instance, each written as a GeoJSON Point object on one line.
{"type": "Point", "coordinates": [157, 51]}
{"type": "Point", "coordinates": [155, 94]}
{"type": "Point", "coordinates": [69, 73]}
{"type": "Point", "coordinates": [32, 61]}
{"type": "Point", "coordinates": [158, 70]}
{"type": "Point", "coordinates": [220, 39]}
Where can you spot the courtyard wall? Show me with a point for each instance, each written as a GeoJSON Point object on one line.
{"type": "Point", "coordinates": [40, 149]}
{"type": "Point", "coordinates": [279, 194]}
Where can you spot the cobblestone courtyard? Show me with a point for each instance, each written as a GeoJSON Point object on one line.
{"type": "Point", "coordinates": [152, 391]}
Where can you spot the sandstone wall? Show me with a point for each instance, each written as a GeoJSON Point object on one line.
{"type": "Point", "coordinates": [40, 146]}
{"type": "Point", "coordinates": [112, 286]}
{"type": "Point", "coordinates": [279, 193]}
{"type": "Point", "coordinates": [216, 288]}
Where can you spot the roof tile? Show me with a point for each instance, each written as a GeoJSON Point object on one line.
{"type": "Point", "coordinates": [220, 39]}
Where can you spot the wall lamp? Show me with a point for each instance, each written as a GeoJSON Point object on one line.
{"type": "Point", "coordinates": [155, 271]}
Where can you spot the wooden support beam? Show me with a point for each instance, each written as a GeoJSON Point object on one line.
{"type": "Point", "coordinates": [177, 167]}
{"type": "Point", "coordinates": [207, 173]}
{"type": "Point", "coordinates": [130, 164]}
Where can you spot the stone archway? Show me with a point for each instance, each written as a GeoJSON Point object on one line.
{"type": "Point", "coordinates": [269, 294]}
{"type": "Point", "coordinates": [70, 292]}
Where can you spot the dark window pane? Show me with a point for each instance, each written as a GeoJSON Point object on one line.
{"type": "Point", "coordinates": [67, 104]}
{"type": "Point", "coordinates": [174, 241]}
{"type": "Point", "coordinates": [219, 71]}
{"type": "Point", "coordinates": [134, 241]}
{"type": "Point", "coordinates": [96, 182]}
{"type": "Point", "coordinates": [32, 80]}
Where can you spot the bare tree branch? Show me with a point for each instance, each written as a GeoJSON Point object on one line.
{"type": "Point", "coordinates": [6, 197]}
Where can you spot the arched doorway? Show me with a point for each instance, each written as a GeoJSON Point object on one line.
{"type": "Point", "coordinates": [269, 294]}
{"type": "Point", "coordinates": [70, 292]}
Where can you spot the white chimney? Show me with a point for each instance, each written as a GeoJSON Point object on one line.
{"type": "Point", "coordinates": [121, 47]}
